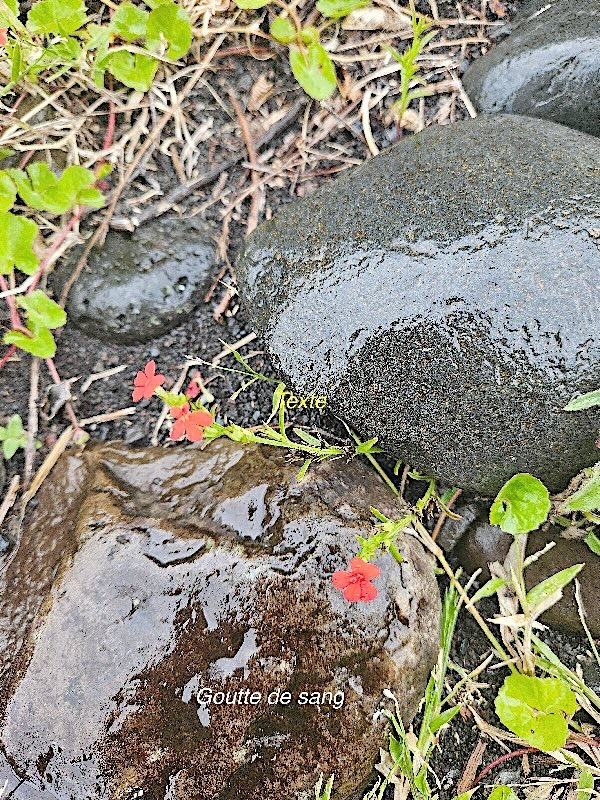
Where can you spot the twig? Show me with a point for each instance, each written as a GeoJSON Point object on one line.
{"type": "Point", "coordinates": [181, 192]}
{"type": "Point", "coordinates": [8, 355]}
{"type": "Point", "coordinates": [32, 420]}
{"type": "Point", "coordinates": [252, 220]}
{"type": "Point", "coordinates": [68, 406]}
{"type": "Point", "coordinates": [442, 518]}
{"type": "Point", "coordinates": [99, 376]}
{"type": "Point", "coordinates": [9, 498]}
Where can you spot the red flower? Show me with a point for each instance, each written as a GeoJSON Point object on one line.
{"type": "Point", "coordinates": [3, 36]}
{"type": "Point", "coordinates": [356, 584]}
{"type": "Point", "coordinates": [189, 423]}
{"type": "Point", "coordinates": [146, 382]}
{"type": "Point", "coordinates": [193, 389]}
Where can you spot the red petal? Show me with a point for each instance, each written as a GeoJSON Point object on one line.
{"type": "Point", "coordinates": [368, 591]}
{"type": "Point", "coordinates": [137, 394]}
{"type": "Point", "coordinates": [201, 418]}
{"type": "Point", "coordinates": [368, 571]}
{"type": "Point", "coordinates": [342, 579]}
{"type": "Point", "coordinates": [179, 411]}
{"type": "Point", "coordinates": [140, 379]}
{"type": "Point", "coordinates": [178, 430]}
{"type": "Point", "coordinates": [150, 369]}
{"type": "Point", "coordinates": [353, 593]}
{"type": "Point", "coordinates": [194, 433]}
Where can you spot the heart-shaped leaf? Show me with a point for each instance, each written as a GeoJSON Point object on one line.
{"type": "Point", "coordinates": [129, 22]}
{"type": "Point", "coordinates": [62, 17]}
{"type": "Point", "coordinates": [536, 709]}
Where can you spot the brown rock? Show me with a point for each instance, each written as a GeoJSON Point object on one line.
{"type": "Point", "coordinates": [484, 543]}
{"type": "Point", "coordinates": [148, 579]}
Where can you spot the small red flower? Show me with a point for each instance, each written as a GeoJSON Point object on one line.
{"type": "Point", "coordinates": [3, 36]}
{"type": "Point", "coordinates": [356, 584]}
{"type": "Point", "coordinates": [189, 423]}
{"type": "Point", "coordinates": [146, 382]}
{"type": "Point", "coordinates": [193, 389]}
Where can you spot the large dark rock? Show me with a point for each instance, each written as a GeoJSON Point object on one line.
{"type": "Point", "coordinates": [138, 286]}
{"type": "Point", "coordinates": [147, 577]}
{"type": "Point", "coordinates": [549, 66]}
{"type": "Point", "coordinates": [444, 297]}
{"type": "Point", "coordinates": [484, 543]}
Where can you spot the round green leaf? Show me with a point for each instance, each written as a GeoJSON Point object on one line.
{"type": "Point", "coordinates": [133, 69]}
{"type": "Point", "coordinates": [172, 22]}
{"type": "Point", "coordinates": [336, 9]}
{"type": "Point", "coordinates": [522, 505]}
{"type": "Point", "coordinates": [17, 235]}
{"type": "Point", "coordinates": [536, 709]}
{"type": "Point", "coordinates": [42, 311]}
{"type": "Point", "coordinates": [250, 4]}
{"type": "Point", "coordinates": [8, 192]}
{"type": "Point", "coordinates": [283, 30]}
{"type": "Point", "coordinates": [314, 70]}
{"type": "Point", "coordinates": [41, 343]}
{"type": "Point", "coordinates": [129, 22]}
{"type": "Point", "coordinates": [62, 17]}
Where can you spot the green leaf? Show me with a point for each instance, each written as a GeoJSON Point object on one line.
{"type": "Point", "coordinates": [249, 4]}
{"type": "Point", "coordinates": [310, 35]}
{"type": "Point", "coordinates": [314, 70]}
{"type": "Point", "coordinates": [8, 192]}
{"type": "Point", "coordinates": [42, 311]}
{"type": "Point", "coordinates": [16, 62]}
{"type": "Point", "coordinates": [586, 498]}
{"type": "Point", "coordinates": [488, 589]}
{"type": "Point", "coordinates": [585, 785]}
{"type": "Point", "coordinates": [443, 719]}
{"type": "Point", "coordinates": [303, 469]}
{"type": "Point", "coordinates": [62, 17]}
{"type": "Point", "coordinates": [336, 9]}
{"type": "Point", "coordinates": [367, 447]}
{"type": "Point", "coordinates": [41, 342]}
{"type": "Point", "coordinates": [134, 70]}
{"type": "Point", "coordinates": [169, 22]}
{"type": "Point", "coordinates": [129, 22]}
{"type": "Point", "coordinates": [503, 793]}
{"type": "Point", "coordinates": [42, 190]}
{"type": "Point", "coordinates": [5, 21]}
{"type": "Point", "coordinates": [552, 585]}
{"type": "Point", "coordinates": [522, 505]}
{"type": "Point", "coordinates": [584, 401]}
{"type": "Point", "coordinates": [12, 437]}
{"type": "Point", "coordinates": [536, 709]}
{"type": "Point", "coordinates": [593, 542]}
{"type": "Point", "coordinates": [307, 438]}
{"type": "Point", "coordinates": [283, 30]}
{"type": "Point", "coordinates": [17, 235]}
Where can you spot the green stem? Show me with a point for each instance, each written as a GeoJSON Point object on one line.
{"type": "Point", "coordinates": [438, 553]}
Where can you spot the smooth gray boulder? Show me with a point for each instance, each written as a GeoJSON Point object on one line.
{"type": "Point", "coordinates": [138, 286]}
{"type": "Point", "coordinates": [444, 296]}
{"type": "Point", "coordinates": [155, 592]}
{"type": "Point", "coordinates": [548, 67]}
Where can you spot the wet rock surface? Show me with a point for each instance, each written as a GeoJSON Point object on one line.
{"type": "Point", "coordinates": [141, 285]}
{"type": "Point", "coordinates": [430, 295]}
{"type": "Point", "coordinates": [548, 67]}
{"type": "Point", "coordinates": [484, 543]}
{"type": "Point", "coordinates": [147, 576]}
